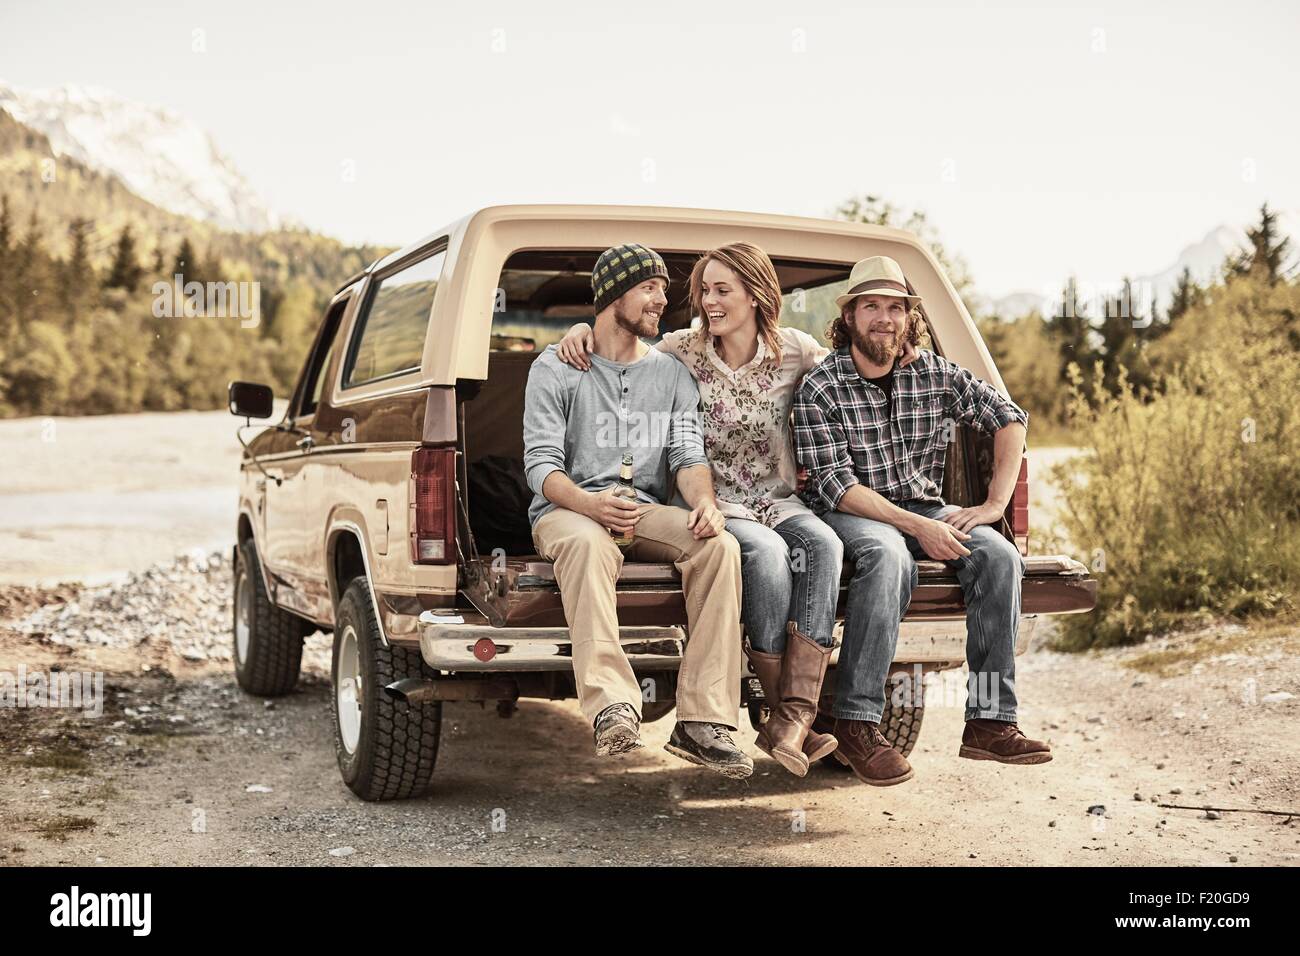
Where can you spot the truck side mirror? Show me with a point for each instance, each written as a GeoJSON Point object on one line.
{"type": "Point", "coordinates": [250, 400]}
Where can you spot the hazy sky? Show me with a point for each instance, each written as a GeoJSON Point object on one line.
{"type": "Point", "coordinates": [1041, 139]}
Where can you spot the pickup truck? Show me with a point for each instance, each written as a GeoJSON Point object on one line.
{"type": "Point", "coordinates": [388, 507]}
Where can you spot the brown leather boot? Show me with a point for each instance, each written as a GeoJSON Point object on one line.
{"type": "Point", "coordinates": [865, 751]}
{"type": "Point", "coordinates": [767, 668]}
{"type": "Point", "coordinates": [800, 685]}
{"type": "Point", "coordinates": [1002, 741]}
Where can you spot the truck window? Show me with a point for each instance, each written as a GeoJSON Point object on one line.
{"type": "Point", "coordinates": [322, 358]}
{"type": "Point", "coordinates": [390, 336]}
{"type": "Point", "coordinates": [541, 293]}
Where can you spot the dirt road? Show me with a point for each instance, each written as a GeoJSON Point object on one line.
{"type": "Point", "coordinates": [182, 768]}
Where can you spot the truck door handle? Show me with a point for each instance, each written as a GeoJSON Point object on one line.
{"type": "Point", "coordinates": [306, 443]}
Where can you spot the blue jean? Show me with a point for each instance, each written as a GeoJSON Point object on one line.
{"type": "Point", "coordinates": [881, 589]}
{"type": "Point", "coordinates": [788, 573]}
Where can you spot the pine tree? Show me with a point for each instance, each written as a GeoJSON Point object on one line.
{"type": "Point", "coordinates": [1071, 329]}
{"type": "Point", "coordinates": [125, 272]}
{"type": "Point", "coordinates": [1120, 346]}
{"type": "Point", "coordinates": [1269, 255]}
{"type": "Point", "coordinates": [1186, 294]}
{"type": "Point", "coordinates": [6, 227]}
{"type": "Point", "coordinates": [77, 278]}
{"type": "Point", "coordinates": [187, 262]}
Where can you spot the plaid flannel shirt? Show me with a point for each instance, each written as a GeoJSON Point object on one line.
{"type": "Point", "coordinates": [845, 434]}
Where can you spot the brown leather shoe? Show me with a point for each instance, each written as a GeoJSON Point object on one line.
{"type": "Point", "coordinates": [865, 751]}
{"type": "Point", "coordinates": [819, 742]}
{"type": "Point", "coordinates": [802, 670]}
{"type": "Point", "coordinates": [1002, 741]}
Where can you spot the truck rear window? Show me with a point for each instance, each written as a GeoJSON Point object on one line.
{"type": "Point", "coordinates": [390, 335]}
{"type": "Point", "coordinates": [542, 293]}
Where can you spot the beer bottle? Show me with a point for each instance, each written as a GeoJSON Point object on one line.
{"type": "Point", "coordinates": [625, 489]}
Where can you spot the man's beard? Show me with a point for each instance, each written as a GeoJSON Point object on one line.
{"type": "Point", "coordinates": [643, 326]}
{"type": "Point", "coordinates": [877, 351]}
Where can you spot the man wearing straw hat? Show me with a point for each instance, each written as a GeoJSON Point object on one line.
{"type": "Point", "coordinates": [873, 436]}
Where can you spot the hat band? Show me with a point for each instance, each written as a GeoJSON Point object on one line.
{"type": "Point", "coordinates": [871, 284]}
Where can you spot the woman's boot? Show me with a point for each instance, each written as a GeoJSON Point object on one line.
{"type": "Point", "coordinates": [767, 668]}
{"type": "Point", "coordinates": [799, 687]}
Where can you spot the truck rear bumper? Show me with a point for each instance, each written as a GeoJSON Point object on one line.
{"type": "Point", "coordinates": [448, 644]}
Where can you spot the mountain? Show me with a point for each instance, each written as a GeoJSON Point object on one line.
{"type": "Point", "coordinates": [160, 156]}
{"type": "Point", "coordinates": [80, 191]}
{"type": "Point", "coordinates": [1204, 258]}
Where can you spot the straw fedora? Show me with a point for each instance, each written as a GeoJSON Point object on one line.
{"type": "Point", "coordinates": [879, 275]}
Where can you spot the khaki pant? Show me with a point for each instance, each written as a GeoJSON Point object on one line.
{"type": "Point", "coordinates": [587, 563]}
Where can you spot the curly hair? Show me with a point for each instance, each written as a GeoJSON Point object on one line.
{"type": "Point", "coordinates": [837, 333]}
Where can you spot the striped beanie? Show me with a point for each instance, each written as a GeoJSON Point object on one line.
{"type": "Point", "coordinates": [622, 267]}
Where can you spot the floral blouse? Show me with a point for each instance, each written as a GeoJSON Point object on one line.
{"type": "Point", "coordinates": [746, 420]}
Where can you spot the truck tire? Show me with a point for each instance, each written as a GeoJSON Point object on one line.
{"type": "Point", "coordinates": [267, 641]}
{"type": "Point", "coordinates": [901, 726]}
{"type": "Point", "coordinates": [386, 748]}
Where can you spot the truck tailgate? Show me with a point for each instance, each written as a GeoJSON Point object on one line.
{"type": "Point", "coordinates": [522, 591]}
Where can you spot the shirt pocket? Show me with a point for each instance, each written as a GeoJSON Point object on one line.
{"type": "Point", "coordinates": [927, 423]}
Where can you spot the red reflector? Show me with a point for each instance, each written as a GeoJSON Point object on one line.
{"type": "Point", "coordinates": [484, 649]}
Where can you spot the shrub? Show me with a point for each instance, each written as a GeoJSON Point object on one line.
{"type": "Point", "coordinates": [1186, 502]}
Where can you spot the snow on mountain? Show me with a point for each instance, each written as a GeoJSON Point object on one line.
{"type": "Point", "coordinates": [164, 158]}
{"type": "Point", "coordinates": [1203, 258]}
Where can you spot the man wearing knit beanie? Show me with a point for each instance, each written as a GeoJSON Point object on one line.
{"type": "Point", "coordinates": [572, 460]}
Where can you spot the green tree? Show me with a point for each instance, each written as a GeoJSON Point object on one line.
{"type": "Point", "coordinates": [1269, 255]}
{"type": "Point", "coordinates": [187, 262]}
{"type": "Point", "coordinates": [6, 227]}
{"type": "Point", "coordinates": [77, 280]}
{"type": "Point", "coordinates": [1071, 329]}
{"type": "Point", "coordinates": [1185, 295]}
{"type": "Point", "coordinates": [1121, 348]}
{"type": "Point", "coordinates": [125, 271]}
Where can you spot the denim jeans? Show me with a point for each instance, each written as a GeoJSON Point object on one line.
{"type": "Point", "coordinates": [788, 573]}
{"type": "Point", "coordinates": [881, 589]}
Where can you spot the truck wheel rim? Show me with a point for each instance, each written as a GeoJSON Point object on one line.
{"type": "Point", "coordinates": [243, 626]}
{"type": "Point", "coordinates": [348, 694]}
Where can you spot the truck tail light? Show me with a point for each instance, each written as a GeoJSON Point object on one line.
{"type": "Point", "coordinates": [1018, 510]}
{"type": "Point", "coordinates": [433, 506]}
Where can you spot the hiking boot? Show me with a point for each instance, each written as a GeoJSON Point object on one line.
{"type": "Point", "coordinates": [820, 742]}
{"type": "Point", "coordinates": [709, 745]}
{"type": "Point", "coordinates": [618, 730]}
{"type": "Point", "coordinates": [1002, 741]}
{"type": "Point", "coordinates": [865, 751]}
{"type": "Point", "coordinates": [799, 688]}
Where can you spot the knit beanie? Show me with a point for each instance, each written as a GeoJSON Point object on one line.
{"type": "Point", "coordinates": [622, 267]}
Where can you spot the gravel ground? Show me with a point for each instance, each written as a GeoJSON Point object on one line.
{"type": "Point", "coordinates": [183, 768]}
